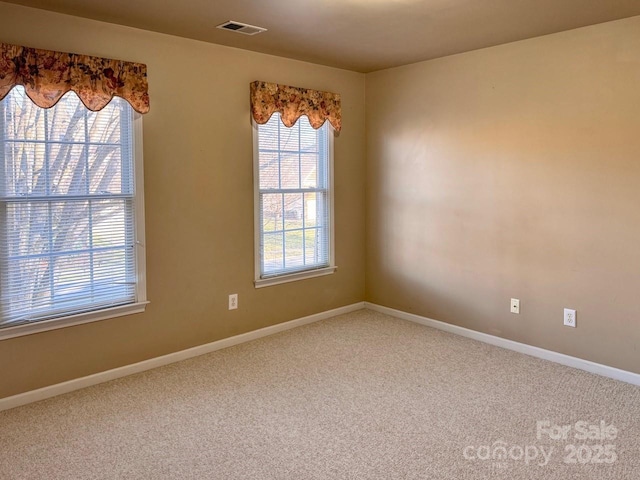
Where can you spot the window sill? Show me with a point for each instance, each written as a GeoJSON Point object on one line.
{"type": "Point", "coordinates": [62, 322]}
{"type": "Point", "coordinates": [294, 277]}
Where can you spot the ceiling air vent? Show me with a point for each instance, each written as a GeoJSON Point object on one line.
{"type": "Point", "coordinates": [240, 27]}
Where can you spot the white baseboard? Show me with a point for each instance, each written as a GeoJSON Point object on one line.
{"type": "Point", "coordinates": [78, 383]}
{"type": "Point", "coordinates": [552, 356]}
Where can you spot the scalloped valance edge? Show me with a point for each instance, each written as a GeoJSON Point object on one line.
{"type": "Point", "coordinates": [294, 102]}
{"type": "Point", "coordinates": [47, 75]}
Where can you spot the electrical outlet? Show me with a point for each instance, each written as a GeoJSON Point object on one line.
{"type": "Point", "coordinates": [515, 305]}
{"type": "Point", "coordinates": [570, 317]}
{"type": "Point", "coordinates": [233, 301]}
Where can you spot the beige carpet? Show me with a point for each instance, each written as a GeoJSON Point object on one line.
{"type": "Point", "coordinates": [360, 396]}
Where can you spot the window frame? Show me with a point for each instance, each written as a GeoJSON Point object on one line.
{"type": "Point", "coordinates": [311, 272]}
{"type": "Point", "coordinates": [141, 301]}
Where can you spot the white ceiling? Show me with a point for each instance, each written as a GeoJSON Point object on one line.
{"type": "Point", "coordinates": [360, 35]}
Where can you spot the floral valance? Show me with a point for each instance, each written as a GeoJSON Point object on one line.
{"type": "Point", "coordinates": [47, 75]}
{"type": "Point", "coordinates": [293, 102]}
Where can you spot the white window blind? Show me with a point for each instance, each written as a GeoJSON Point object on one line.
{"type": "Point", "coordinates": [67, 216]}
{"type": "Point", "coordinates": [294, 197]}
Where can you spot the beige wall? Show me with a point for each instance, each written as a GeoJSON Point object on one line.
{"type": "Point", "coordinates": [513, 171]}
{"type": "Point", "coordinates": [199, 201]}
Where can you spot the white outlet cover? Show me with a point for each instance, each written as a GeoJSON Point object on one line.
{"type": "Point", "coordinates": [515, 305]}
{"type": "Point", "coordinates": [570, 317]}
{"type": "Point", "coordinates": [233, 301]}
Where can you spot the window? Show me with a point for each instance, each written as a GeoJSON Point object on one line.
{"type": "Point", "coordinates": [71, 213]}
{"type": "Point", "coordinates": [294, 201]}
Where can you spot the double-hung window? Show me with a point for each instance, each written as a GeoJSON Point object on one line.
{"type": "Point", "coordinates": [294, 200]}
{"type": "Point", "coordinates": [71, 213]}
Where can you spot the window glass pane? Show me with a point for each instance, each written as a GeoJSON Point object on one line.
{"type": "Point", "coordinates": [311, 209]}
{"type": "Point", "coordinates": [273, 257]}
{"type": "Point", "coordinates": [111, 278]}
{"type": "Point", "coordinates": [70, 222]}
{"type": "Point", "coordinates": [271, 212]}
{"type": "Point", "coordinates": [71, 276]}
{"type": "Point", "coordinates": [30, 281]}
{"type": "Point", "coordinates": [293, 243]}
{"type": "Point", "coordinates": [308, 138]}
{"type": "Point", "coordinates": [109, 268]}
{"type": "Point", "coordinates": [269, 170]}
{"type": "Point", "coordinates": [110, 223]}
{"type": "Point", "coordinates": [293, 211]}
{"type": "Point", "coordinates": [34, 239]}
{"type": "Point", "coordinates": [309, 170]}
{"type": "Point", "coordinates": [289, 137]}
{"type": "Point", "coordinates": [24, 170]}
{"type": "Point", "coordinates": [67, 173]}
{"type": "Point", "coordinates": [312, 250]}
{"type": "Point", "coordinates": [289, 170]}
{"type": "Point", "coordinates": [105, 171]}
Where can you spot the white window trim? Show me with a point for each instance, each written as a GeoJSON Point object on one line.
{"type": "Point", "coordinates": [69, 321]}
{"type": "Point", "coordinates": [141, 281]}
{"type": "Point", "coordinates": [292, 277]}
{"type": "Point", "coordinates": [302, 274]}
